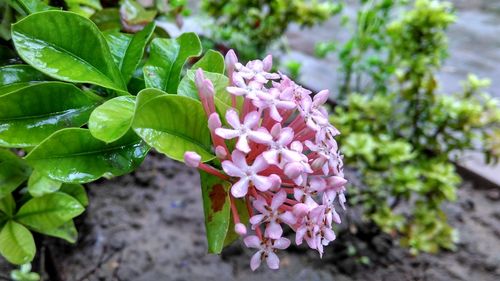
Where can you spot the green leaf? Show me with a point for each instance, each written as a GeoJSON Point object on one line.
{"type": "Point", "coordinates": [112, 120]}
{"type": "Point", "coordinates": [14, 77]}
{"type": "Point", "coordinates": [67, 231]}
{"type": "Point", "coordinates": [173, 125]}
{"type": "Point", "coordinates": [77, 191]}
{"type": "Point", "coordinates": [167, 57]}
{"type": "Point", "coordinates": [107, 19]}
{"type": "Point", "coordinates": [13, 172]}
{"type": "Point", "coordinates": [135, 14]}
{"type": "Point", "coordinates": [73, 156]}
{"type": "Point", "coordinates": [212, 61]}
{"type": "Point", "coordinates": [49, 211]}
{"type": "Point", "coordinates": [128, 50]}
{"type": "Point", "coordinates": [8, 205]}
{"type": "Point", "coordinates": [68, 47]}
{"type": "Point", "coordinates": [222, 98]}
{"type": "Point", "coordinates": [33, 6]}
{"type": "Point", "coordinates": [39, 184]}
{"type": "Point", "coordinates": [146, 95]}
{"type": "Point", "coordinates": [217, 208]}
{"type": "Point", "coordinates": [32, 113]}
{"type": "Point", "coordinates": [85, 8]}
{"type": "Point", "coordinates": [16, 243]}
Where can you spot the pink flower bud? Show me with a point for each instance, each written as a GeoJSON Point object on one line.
{"type": "Point", "coordinates": [320, 98]}
{"type": "Point", "coordinates": [267, 63]}
{"type": "Point", "coordinates": [204, 86]}
{"type": "Point", "coordinates": [230, 60]}
{"type": "Point", "coordinates": [192, 159]}
{"type": "Point", "coordinates": [220, 152]}
{"type": "Point", "coordinates": [214, 121]}
{"type": "Point", "coordinates": [240, 229]}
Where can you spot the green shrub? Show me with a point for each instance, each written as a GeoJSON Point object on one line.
{"type": "Point", "coordinates": [399, 131]}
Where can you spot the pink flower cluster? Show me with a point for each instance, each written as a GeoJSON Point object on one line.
{"type": "Point", "coordinates": [285, 162]}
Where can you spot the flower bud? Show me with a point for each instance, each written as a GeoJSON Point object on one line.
{"type": "Point", "coordinates": [240, 229]}
{"type": "Point", "coordinates": [220, 152]}
{"type": "Point", "coordinates": [214, 121]}
{"type": "Point", "coordinates": [192, 159]}
{"type": "Point", "coordinates": [267, 63]}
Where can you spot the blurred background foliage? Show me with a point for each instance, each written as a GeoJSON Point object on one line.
{"type": "Point", "coordinates": [251, 26]}
{"type": "Point", "coordinates": [397, 130]}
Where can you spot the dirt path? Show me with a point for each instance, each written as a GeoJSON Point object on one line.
{"type": "Point", "coordinates": [149, 226]}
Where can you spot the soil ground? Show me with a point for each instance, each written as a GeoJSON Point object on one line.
{"type": "Point", "coordinates": [148, 226]}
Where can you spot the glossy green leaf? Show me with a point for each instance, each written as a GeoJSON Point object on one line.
{"type": "Point", "coordinates": [33, 6]}
{"type": "Point", "coordinates": [85, 8]}
{"type": "Point", "coordinates": [67, 231]}
{"type": "Point", "coordinates": [16, 243]}
{"type": "Point", "coordinates": [107, 19]}
{"type": "Point", "coordinates": [14, 77]}
{"type": "Point", "coordinates": [167, 57]}
{"type": "Point", "coordinates": [73, 155]}
{"type": "Point", "coordinates": [222, 98]}
{"type": "Point", "coordinates": [146, 95]}
{"type": "Point", "coordinates": [173, 125]}
{"type": "Point", "coordinates": [135, 14]}
{"type": "Point", "coordinates": [212, 61]}
{"type": "Point", "coordinates": [39, 184]}
{"type": "Point", "coordinates": [49, 211]}
{"type": "Point", "coordinates": [112, 120]}
{"type": "Point", "coordinates": [13, 172]}
{"type": "Point", "coordinates": [30, 114]}
{"type": "Point", "coordinates": [217, 208]}
{"type": "Point", "coordinates": [69, 47]}
{"type": "Point", "coordinates": [128, 50]}
{"type": "Point", "coordinates": [77, 191]}
{"type": "Point", "coordinates": [8, 205]}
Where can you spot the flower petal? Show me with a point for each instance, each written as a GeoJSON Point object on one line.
{"type": "Point", "coordinates": [232, 170]}
{"type": "Point", "coordinates": [261, 183]}
{"type": "Point", "coordinates": [256, 260]}
{"type": "Point", "coordinates": [227, 133]}
{"type": "Point", "coordinates": [260, 136]}
{"type": "Point", "coordinates": [272, 260]}
{"type": "Point", "coordinates": [233, 119]}
{"type": "Point", "coordinates": [252, 241]}
{"type": "Point", "coordinates": [252, 119]}
{"type": "Point", "coordinates": [259, 164]}
{"type": "Point", "coordinates": [273, 230]}
{"type": "Point", "coordinates": [240, 188]}
{"type": "Point", "coordinates": [278, 199]}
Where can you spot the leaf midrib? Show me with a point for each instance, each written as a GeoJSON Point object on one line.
{"type": "Point", "coordinates": [45, 211]}
{"type": "Point", "coordinates": [90, 152]}
{"type": "Point", "coordinates": [62, 112]}
{"type": "Point", "coordinates": [182, 136]}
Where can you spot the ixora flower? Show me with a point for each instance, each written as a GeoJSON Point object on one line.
{"type": "Point", "coordinates": [279, 153]}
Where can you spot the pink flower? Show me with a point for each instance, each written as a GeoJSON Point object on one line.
{"type": "Point", "coordinates": [257, 70]}
{"type": "Point", "coordinates": [239, 168]}
{"type": "Point", "coordinates": [285, 165]}
{"type": "Point", "coordinates": [266, 249]}
{"type": "Point", "coordinates": [273, 102]}
{"type": "Point", "coordinates": [272, 215]}
{"type": "Point", "coordinates": [244, 131]}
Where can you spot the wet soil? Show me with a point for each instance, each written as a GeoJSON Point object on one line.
{"type": "Point", "coordinates": [148, 226]}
